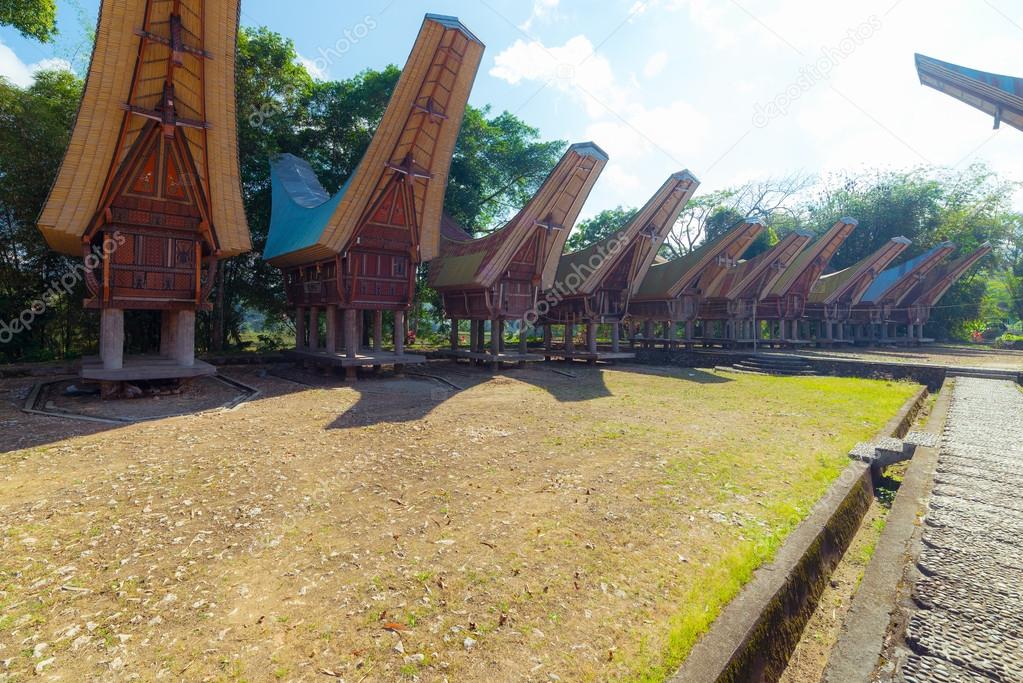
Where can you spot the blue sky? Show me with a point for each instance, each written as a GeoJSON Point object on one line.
{"type": "Point", "coordinates": [733, 90]}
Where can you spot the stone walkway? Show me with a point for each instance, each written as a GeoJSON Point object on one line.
{"type": "Point", "coordinates": [970, 623]}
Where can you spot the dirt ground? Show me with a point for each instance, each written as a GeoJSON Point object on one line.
{"type": "Point", "coordinates": [527, 526]}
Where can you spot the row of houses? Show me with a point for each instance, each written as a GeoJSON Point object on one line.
{"type": "Point", "coordinates": [350, 259]}
{"type": "Point", "coordinates": [149, 197]}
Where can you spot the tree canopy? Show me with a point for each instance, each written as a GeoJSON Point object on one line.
{"type": "Point", "coordinates": [33, 18]}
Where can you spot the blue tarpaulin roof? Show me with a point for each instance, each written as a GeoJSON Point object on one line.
{"type": "Point", "coordinates": [301, 207]}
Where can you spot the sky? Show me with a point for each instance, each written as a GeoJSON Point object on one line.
{"type": "Point", "coordinates": [733, 90]}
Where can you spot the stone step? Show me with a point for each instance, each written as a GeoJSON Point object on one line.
{"type": "Point", "coordinates": [774, 370]}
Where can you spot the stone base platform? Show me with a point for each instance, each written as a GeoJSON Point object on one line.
{"type": "Point", "coordinates": [144, 369]}
{"type": "Point", "coordinates": [590, 356]}
{"type": "Point", "coordinates": [485, 357]}
{"type": "Point", "coordinates": [365, 358]}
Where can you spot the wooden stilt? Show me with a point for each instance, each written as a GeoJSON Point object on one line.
{"type": "Point", "coordinates": [378, 330]}
{"type": "Point", "coordinates": [454, 334]}
{"type": "Point", "coordinates": [331, 329]}
{"type": "Point", "coordinates": [616, 334]}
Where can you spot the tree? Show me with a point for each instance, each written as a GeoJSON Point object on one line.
{"type": "Point", "coordinates": [33, 18]}
{"type": "Point", "coordinates": [35, 126]}
{"type": "Point", "coordinates": [604, 224]}
{"type": "Point", "coordinates": [770, 201]}
{"type": "Point", "coordinates": [498, 165]}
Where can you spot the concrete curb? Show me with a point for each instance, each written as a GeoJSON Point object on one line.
{"type": "Point", "coordinates": [888, 577]}
{"type": "Point", "coordinates": [755, 634]}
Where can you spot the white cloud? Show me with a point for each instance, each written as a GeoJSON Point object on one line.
{"type": "Point", "coordinates": [655, 64]}
{"type": "Point", "coordinates": [21, 74]}
{"type": "Point", "coordinates": [572, 68]}
{"type": "Point", "coordinates": [674, 134]}
{"type": "Point", "coordinates": [313, 68]}
{"type": "Point", "coordinates": [543, 10]}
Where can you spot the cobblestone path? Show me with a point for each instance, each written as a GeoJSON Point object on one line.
{"type": "Point", "coordinates": [970, 623]}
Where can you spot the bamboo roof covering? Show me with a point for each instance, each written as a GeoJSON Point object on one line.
{"type": "Point", "coordinates": [641, 237]}
{"type": "Point", "coordinates": [811, 262]}
{"type": "Point", "coordinates": [996, 95]}
{"type": "Point", "coordinates": [932, 288]}
{"type": "Point", "coordinates": [125, 87]}
{"type": "Point", "coordinates": [893, 284]}
{"type": "Point", "coordinates": [849, 284]}
{"type": "Point", "coordinates": [693, 272]}
{"type": "Point", "coordinates": [415, 138]}
{"type": "Point", "coordinates": [549, 215]}
{"type": "Point", "coordinates": [752, 279]}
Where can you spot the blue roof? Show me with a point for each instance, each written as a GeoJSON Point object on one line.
{"type": "Point", "coordinates": [300, 208]}
{"type": "Point", "coordinates": [1007, 84]}
{"type": "Point", "coordinates": [889, 278]}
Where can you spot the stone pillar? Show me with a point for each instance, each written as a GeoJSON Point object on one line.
{"type": "Point", "coordinates": [300, 328]}
{"type": "Point", "coordinates": [827, 329]}
{"type": "Point", "coordinates": [795, 330]}
{"type": "Point", "coordinates": [920, 333]}
{"type": "Point", "coordinates": [591, 337]}
{"type": "Point", "coordinates": [569, 340]}
{"type": "Point", "coordinates": [184, 339]}
{"type": "Point", "coordinates": [399, 332]}
{"type": "Point", "coordinates": [378, 330]}
{"type": "Point", "coordinates": [351, 333]}
{"type": "Point", "coordinates": [168, 328]}
{"type": "Point", "coordinates": [669, 326]}
{"type": "Point", "coordinates": [616, 336]}
{"type": "Point", "coordinates": [495, 336]}
{"type": "Point", "coordinates": [523, 337]}
{"type": "Point", "coordinates": [314, 328]}
{"type": "Point", "coordinates": [111, 338]}
{"type": "Point", "coordinates": [454, 334]}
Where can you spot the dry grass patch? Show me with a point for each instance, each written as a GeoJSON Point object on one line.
{"type": "Point", "coordinates": [530, 527]}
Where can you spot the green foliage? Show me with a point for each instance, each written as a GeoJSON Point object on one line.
{"type": "Point", "coordinates": [33, 18]}
{"type": "Point", "coordinates": [604, 224]}
{"type": "Point", "coordinates": [35, 124]}
{"type": "Point", "coordinates": [498, 165]}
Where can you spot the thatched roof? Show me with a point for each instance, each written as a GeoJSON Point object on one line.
{"type": "Point", "coordinates": [752, 279]}
{"type": "Point", "coordinates": [811, 262]}
{"type": "Point", "coordinates": [128, 70]}
{"type": "Point", "coordinates": [416, 136]}
{"type": "Point", "coordinates": [548, 216]}
{"type": "Point", "coordinates": [930, 290]}
{"type": "Point", "coordinates": [893, 284]}
{"type": "Point", "coordinates": [996, 95]}
{"type": "Point", "coordinates": [641, 237]}
{"type": "Point", "coordinates": [694, 271]}
{"type": "Point", "coordinates": [849, 284]}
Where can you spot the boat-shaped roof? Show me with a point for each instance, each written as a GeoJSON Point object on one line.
{"type": "Point", "coordinates": [997, 95]}
{"type": "Point", "coordinates": [415, 140]}
{"type": "Point", "coordinates": [811, 262]}
{"type": "Point", "coordinates": [642, 237]}
{"type": "Point", "coordinates": [894, 283]}
{"type": "Point", "coordinates": [930, 290]}
{"type": "Point", "coordinates": [124, 88]}
{"type": "Point", "coordinates": [468, 262]}
{"type": "Point", "coordinates": [670, 279]}
{"type": "Point", "coordinates": [849, 284]}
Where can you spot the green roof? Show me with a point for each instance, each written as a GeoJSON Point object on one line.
{"type": "Point", "coordinates": [661, 277]}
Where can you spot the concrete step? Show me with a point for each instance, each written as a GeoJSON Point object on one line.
{"type": "Point", "coordinates": [985, 373]}
{"type": "Point", "coordinates": [765, 370]}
